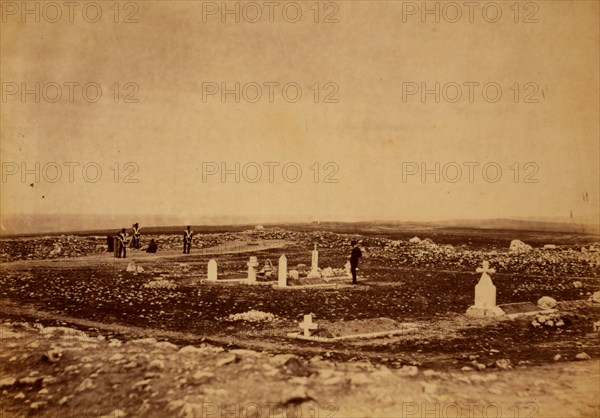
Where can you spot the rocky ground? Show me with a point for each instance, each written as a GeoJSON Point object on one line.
{"type": "Point", "coordinates": [85, 333]}
{"type": "Point", "coordinates": [64, 372]}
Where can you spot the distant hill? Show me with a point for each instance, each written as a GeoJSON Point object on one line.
{"type": "Point", "coordinates": [36, 224]}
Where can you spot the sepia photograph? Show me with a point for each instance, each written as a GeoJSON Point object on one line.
{"type": "Point", "coordinates": [300, 208]}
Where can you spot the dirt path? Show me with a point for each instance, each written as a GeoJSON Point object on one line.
{"type": "Point", "coordinates": [230, 247]}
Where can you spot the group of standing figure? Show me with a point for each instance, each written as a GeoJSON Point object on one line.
{"type": "Point", "coordinates": [121, 241]}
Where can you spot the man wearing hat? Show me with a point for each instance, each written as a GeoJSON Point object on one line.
{"type": "Point", "coordinates": [187, 240]}
{"type": "Point", "coordinates": [135, 240]}
{"type": "Point", "coordinates": [122, 243]}
{"type": "Point", "coordinates": [354, 256]}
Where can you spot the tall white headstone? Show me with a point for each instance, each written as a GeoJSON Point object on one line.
{"type": "Point", "coordinates": [252, 265]}
{"type": "Point", "coordinates": [314, 265]}
{"type": "Point", "coordinates": [212, 270]}
{"type": "Point", "coordinates": [485, 294]}
{"type": "Point", "coordinates": [282, 271]}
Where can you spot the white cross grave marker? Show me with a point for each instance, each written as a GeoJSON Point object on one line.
{"type": "Point", "coordinates": [485, 294]}
{"type": "Point", "coordinates": [308, 325]}
{"type": "Point", "coordinates": [485, 291]}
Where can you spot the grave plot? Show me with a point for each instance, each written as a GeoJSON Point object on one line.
{"type": "Point", "coordinates": [313, 278]}
{"type": "Point", "coordinates": [350, 330]}
{"type": "Point", "coordinates": [253, 276]}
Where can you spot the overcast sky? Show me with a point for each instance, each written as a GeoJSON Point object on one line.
{"type": "Point", "coordinates": [369, 134]}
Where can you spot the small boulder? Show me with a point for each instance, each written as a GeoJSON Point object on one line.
{"type": "Point", "coordinates": [582, 356]}
{"type": "Point", "coordinates": [595, 297]}
{"type": "Point", "coordinates": [546, 302]}
{"type": "Point", "coordinates": [518, 246]}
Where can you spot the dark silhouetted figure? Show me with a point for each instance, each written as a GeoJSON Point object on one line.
{"type": "Point", "coordinates": [187, 240]}
{"type": "Point", "coordinates": [354, 256]}
{"type": "Point", "coordinates": [122, 238]}
{"type": "Point", "coordinates": [110, 242]}
{"type": "Point", "coordinates": [135, 239]}
{"type": "Point", "coordinates": [152, 247]}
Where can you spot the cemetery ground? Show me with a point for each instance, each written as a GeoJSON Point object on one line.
{"type": "Point", "coordinates": [82, 335]}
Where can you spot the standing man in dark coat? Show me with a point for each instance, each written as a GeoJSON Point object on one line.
{"type": "Point", "coordinates": [135, 240]}
{"type": "Point", "coordinates": [187, 240]}
{"type": "Point", "coordinates": [122, 239]}
{"type": "Point", "coordinates": [356, 254]}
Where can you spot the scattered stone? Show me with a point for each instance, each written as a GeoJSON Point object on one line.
{"type": "Point", "coordinates": [202, 377]}
{"type": "Point", "coordinates": [582, 356]}
{"type": "Point", "coordinates": [20, 395]}
{"type": "Point", "coordinates": [31, 381]}
{"type": "Point", "coordinates": [117, 413]}
{"type": "Point", "coordinates": [518, 246]}
{"type": "Point", "coordinates": [408, 371]}
{"type": "Point", "coordinates": [142, 384]}
{"type": "Point", "coordinates": [156, 365]}
{"type": "Point", "coordinates": [296, 396]}
{"type": "Point", "coordinates": [87, 384]}
{"type": "Point", "coordinates": [550, 247]}
{"type": "Point", "coordinates": [53, 356]}
{"type": "Point", "coordinates": [35, 406]}
{"type": "Point", "coordinates": [577, 284]}
{"type": "Point", "coordinates": [252, 316]}
{"type": "Point", "coordinates": [226, 359]}
{"type": "Point", "coordinates": [557, 357]}
{"type": "Point", "coordinates": [595, 297]}
{"type": "Point", "coordinates": [414, 240]}
{"type": "Point", "coordinates": [160, 283]}
{"type": "Point", "coordinates": [7, 382]}
{"type": "Point", "coordinates": [165, 345]}
{"type": "Point", "coordinates": [503, 364]}
{"type": "Point", "coordinates": [360, 379]}
{"type": "Point", "coordinates": [546, 302]}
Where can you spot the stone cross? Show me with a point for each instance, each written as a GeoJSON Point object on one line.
{"type": "Point", "coordinates": [485, 291]}
{"type": "Point", "coordinates": [485, 269]}
{"type": "Point", "coordinates": [212, 270]}
{"type": "Point", "coordinates": [252, 265]}
{"type": "Point", "coordinates": [308, 325]}
{"type": "Point", "coordinates": [282, 271]}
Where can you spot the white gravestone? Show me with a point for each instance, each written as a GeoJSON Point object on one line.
{"type": "Point", "coordinates": [485, 294]}
{"type": "Point", "coordinates": [252, 265]}
{"type": "Point", "coordinates": [282, 271]}
{"type": "Point", "coordinates": [212, 270]}
{"type": "Point", "coordinates": [308, 325]}
{"type": "Point", "coordinates": [314, 265]}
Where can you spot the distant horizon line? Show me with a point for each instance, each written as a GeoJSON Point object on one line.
{"type": "Point", "coordinates": [30, 224]}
